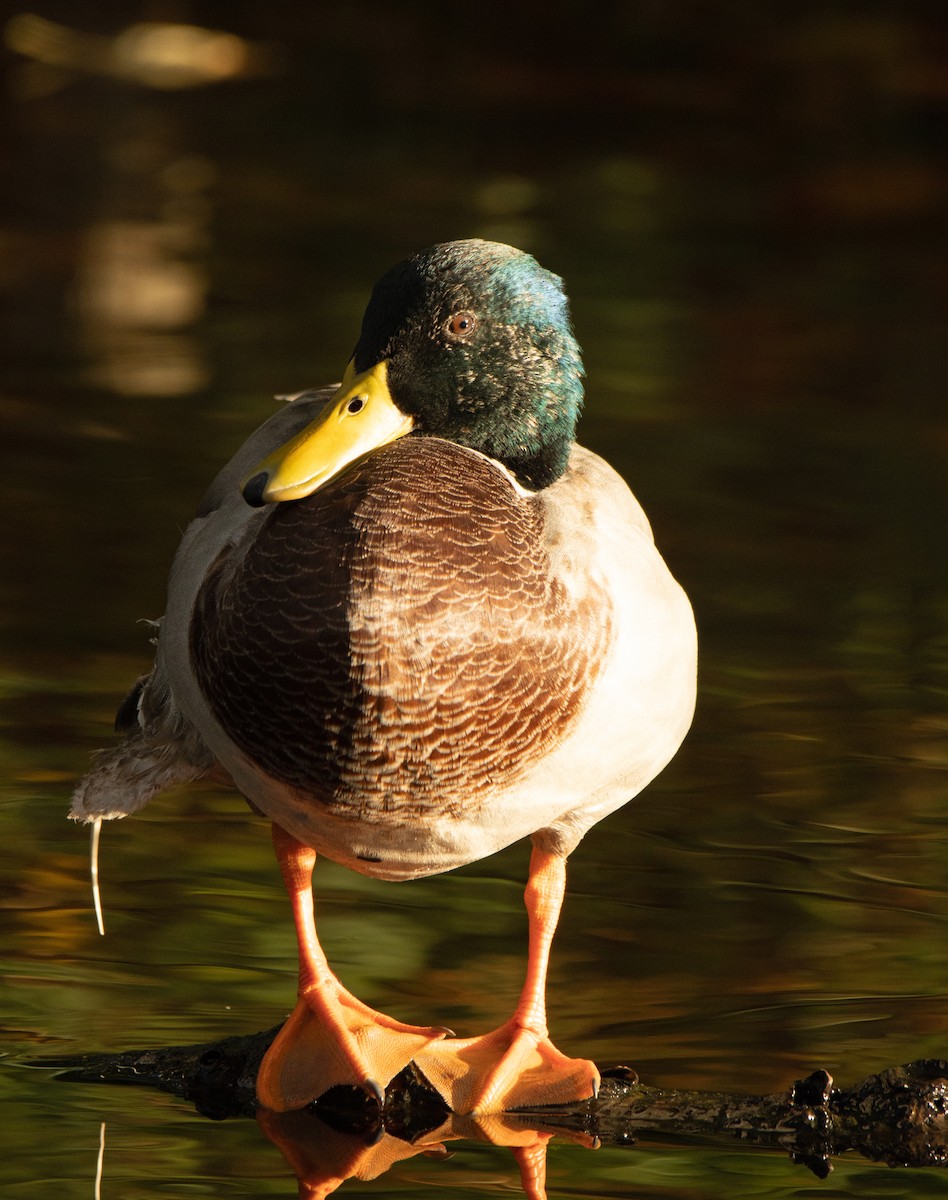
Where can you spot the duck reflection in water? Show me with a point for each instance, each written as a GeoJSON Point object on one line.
{"type": "Point", "coordinates": [415, 622]}
{"type": "Point", "coordinates": [323, 1158]}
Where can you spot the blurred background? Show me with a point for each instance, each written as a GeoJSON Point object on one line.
{"type": "Point", "coordinates": [748, 204]}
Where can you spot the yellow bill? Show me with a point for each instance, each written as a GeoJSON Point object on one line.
{"type": "Point", "coordinates": [360, 417]}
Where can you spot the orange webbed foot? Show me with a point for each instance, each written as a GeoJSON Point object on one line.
{"type": "Point", "coordinates": [512, 1067]}
{"type": "Point", "coordinates": [332, 1038]}
{"type": "Point", "coordinates": [517, 1066]}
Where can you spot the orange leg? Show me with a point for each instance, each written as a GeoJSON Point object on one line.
{"type": "Point", "coordinates": [516, 1065]}
{"type": "Point", "coordinates": [331, 1037]}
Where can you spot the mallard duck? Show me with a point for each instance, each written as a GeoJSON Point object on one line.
{"type": "Point", "coordinates": [414, 622]}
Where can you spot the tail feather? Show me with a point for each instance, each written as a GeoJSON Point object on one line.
{"type": "Point", "coordinates": [161, 749]}
{"type": "Point", "coordinates": [123, 779]}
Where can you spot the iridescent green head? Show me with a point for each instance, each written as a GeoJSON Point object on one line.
{"type": "Point", "coordinates": [480, 351]}
{"type": "Point", "coordinates": [469, 341]}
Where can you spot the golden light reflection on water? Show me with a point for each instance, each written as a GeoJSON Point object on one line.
{"type": "Point", "coordinates": [136, 299]}
{"type": "Point", "coordinates": [149, 54]}
{"type": "Point", "coordinates": [142, 282]}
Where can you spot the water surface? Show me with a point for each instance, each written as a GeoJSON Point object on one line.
{"type": "Point", "coordinates": [750, 241]}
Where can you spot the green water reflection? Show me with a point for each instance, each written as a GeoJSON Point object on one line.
{"type": "Point", "coordinates": [751, 241]}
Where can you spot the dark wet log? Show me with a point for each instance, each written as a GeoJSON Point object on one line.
{"type": "Point", "coordinates": [898, 1116]}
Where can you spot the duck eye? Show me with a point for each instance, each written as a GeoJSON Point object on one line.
{"type": "Point", "coordinates": [461, 325]}
{"type": "Point", "coordinates": [356, 404]}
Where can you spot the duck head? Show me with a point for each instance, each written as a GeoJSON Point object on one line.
{"type": "Point", "coordinates": [469, 341]}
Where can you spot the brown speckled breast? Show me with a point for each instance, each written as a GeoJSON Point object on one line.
{"type": "Point", "coordinates": [395, 642]}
